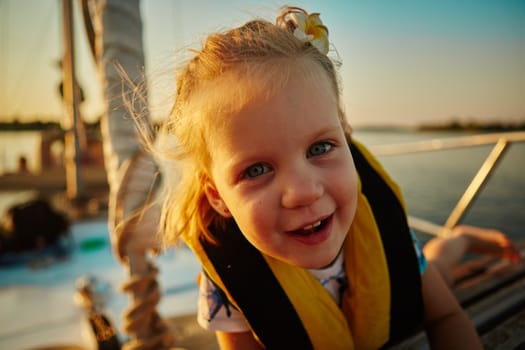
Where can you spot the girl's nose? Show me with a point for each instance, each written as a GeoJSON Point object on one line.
{"type": "Point", "coordinates": [301, 189]}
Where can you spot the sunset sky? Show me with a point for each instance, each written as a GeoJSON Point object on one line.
{"type": "Point", "coordinates": [404, 62]}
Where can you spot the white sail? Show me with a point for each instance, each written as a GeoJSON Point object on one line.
{"type": "Point", "coordinates": [132, 173]}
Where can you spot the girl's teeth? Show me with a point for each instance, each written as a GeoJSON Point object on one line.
{"type": "Point", "coordinates": [310, 227]}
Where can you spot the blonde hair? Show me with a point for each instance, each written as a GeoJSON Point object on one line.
{"type": "Point", "coordinates": [253, 60]}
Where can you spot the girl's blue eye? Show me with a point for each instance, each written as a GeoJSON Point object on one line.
{"type": "Point", "coordinates": [256, 170]}
{"type": "Point", "coordinates": [319, 148]}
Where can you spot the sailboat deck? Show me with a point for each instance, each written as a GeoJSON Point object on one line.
{"type": "Point", "coordinates": [492, 292]}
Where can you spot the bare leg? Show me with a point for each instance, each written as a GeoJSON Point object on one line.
{"type": "Point", "coordinates": [447, 253]}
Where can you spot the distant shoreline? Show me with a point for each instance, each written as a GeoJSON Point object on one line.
{"type": "Point", "coordinates": [39, 126]}
{"type": "Point", "coordinates": [453, 125]}
{"type": "Point", "coordinates": [448, 127]}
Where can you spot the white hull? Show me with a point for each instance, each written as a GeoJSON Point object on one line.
{"type": "Point", "coordinates": [38, 307]}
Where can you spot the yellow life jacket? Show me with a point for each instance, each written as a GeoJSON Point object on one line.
{"type": "Point", "coordinates": [287, 308]}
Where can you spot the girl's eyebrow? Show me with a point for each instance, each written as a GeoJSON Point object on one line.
{"type": "Point", "coordinates": [328, 130]}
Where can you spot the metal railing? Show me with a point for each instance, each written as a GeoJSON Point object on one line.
{"type": "Point", "coordinates": [501, 141]}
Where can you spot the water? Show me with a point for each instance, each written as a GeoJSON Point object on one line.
{"type": "Point", "coordinates": [431, 182]}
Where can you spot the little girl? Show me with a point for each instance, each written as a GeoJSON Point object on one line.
{"type": "Point", "coordinates": [302, 236]}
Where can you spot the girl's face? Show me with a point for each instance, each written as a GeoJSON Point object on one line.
{"type": "Point", "coordinates": [282, 168]}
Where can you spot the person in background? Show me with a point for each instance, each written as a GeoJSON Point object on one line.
{"type": "Point", "coordinates": [22, 165]}
{"type": "Point", "coordinates": [446, 253]}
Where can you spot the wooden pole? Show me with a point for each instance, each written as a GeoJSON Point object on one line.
{"type": "Point", "coordinates": [74, 185]}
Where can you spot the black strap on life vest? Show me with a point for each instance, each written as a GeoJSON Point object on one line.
{"type": "Point", "coordinates": [264, 303]}
{"type": "Point", "coordinates": [256, 290]}
{"type": "Point", "coordinates": [406, 310]}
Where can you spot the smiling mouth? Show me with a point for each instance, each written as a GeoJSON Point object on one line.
{"type": "Point", "coordinates": [311, 229]}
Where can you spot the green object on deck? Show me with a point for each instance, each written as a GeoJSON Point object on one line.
{"type": "Point", "coordinates": [91, 244]}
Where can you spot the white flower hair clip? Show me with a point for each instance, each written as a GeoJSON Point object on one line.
{"type": "Point", "coordinates": [305, 27]}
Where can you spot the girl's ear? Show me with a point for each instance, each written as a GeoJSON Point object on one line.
{"type": "Point", "coordinates": [215, 199]}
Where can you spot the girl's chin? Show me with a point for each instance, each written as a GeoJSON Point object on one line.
{"type": "Point", "coordinates": [318, 263]}
{"type": "Point", "coordinates": [325, 263]}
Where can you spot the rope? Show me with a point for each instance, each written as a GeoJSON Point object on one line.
{"type": "Point", "coordinates": [133, 237]}
{"type": "Point", "coordinates": [141, 320]}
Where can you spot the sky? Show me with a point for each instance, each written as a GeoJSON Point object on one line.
{"type": "Point", "coordinates": [404, 62]}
